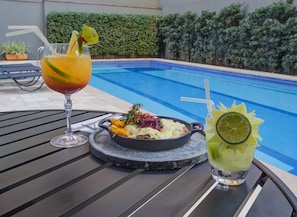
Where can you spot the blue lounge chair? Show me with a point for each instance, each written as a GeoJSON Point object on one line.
{"type": "Point", "coordinates": [25, 75]}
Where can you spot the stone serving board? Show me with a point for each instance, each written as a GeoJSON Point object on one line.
{"type": "Point", "coordinates": [193, 152]}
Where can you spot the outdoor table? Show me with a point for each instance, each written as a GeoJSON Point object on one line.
{"type": "Point", "coordinates": [40, 180]}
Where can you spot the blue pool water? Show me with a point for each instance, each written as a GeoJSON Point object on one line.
{"type": "Point", "coordinates": [158, 86]}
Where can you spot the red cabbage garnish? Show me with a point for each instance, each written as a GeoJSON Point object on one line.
{"type": "Point", "coordinates": [150, 121]}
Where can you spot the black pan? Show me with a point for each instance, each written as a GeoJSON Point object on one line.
{"type": "Point", "coordinates": [155, 144]}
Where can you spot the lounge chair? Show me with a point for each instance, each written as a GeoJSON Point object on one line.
{"type": "Point", "coordinates": [25, 75]}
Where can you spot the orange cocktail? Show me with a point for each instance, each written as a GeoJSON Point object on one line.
{"type": "Point", "coordinates": [66, 68]}
{"type": "Point", "coordinates": [66, 71]}
{"type": "Point", "coordinates": [66, 74]}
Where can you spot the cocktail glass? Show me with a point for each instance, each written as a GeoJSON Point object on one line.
{"type": "Point", "coordinates": [231, 138]}
{"type": "Point", "coordinates": [230, 163]}
{"type": "Point", "coordinates": [66, 74]}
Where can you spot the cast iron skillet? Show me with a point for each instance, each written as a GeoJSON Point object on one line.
{"type": "Point", "coordinates": [155, 144]}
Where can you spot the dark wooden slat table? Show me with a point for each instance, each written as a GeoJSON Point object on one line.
{"type": "Point", "coordinates": [40, 180]}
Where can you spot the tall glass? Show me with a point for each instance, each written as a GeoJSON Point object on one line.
{"type": "Point", "coordinates": [232, 135]}
{"type": "Point", "coordinates": [66, 74]}
{"type": "Point", "coordinates": [230, 163]}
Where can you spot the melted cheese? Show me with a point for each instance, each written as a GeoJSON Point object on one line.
{"type": "Point", "coordinates": [170, 129]}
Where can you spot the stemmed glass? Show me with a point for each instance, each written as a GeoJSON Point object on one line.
{"type": "Point", "coordinates": [66, 74]}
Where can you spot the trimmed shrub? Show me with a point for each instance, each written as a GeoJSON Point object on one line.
{"type": "Point", "coordinates": [120, 34]}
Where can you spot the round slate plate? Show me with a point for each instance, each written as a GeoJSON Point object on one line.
{"type": "Point", "coordinates": [193, 152]}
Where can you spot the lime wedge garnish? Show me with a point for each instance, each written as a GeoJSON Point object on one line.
{"type": "Point", "coordinates": [233, 127]}
{"type": "Point", "coordinates": [55, 69]}
{"type": "Point", "coordinates": [56, 79]}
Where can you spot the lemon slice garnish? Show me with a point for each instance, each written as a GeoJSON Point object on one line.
{"type": "Point", "coordinates": [73, 49]}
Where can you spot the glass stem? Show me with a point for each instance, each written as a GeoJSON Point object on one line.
{"type": "Point", "coordinates": [68, 108]}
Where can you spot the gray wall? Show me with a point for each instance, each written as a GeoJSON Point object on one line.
{"type": "Point", "coordinates": [34, 12]}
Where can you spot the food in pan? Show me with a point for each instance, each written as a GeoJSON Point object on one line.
{"type": "Point", "coordinates": [140, 125]}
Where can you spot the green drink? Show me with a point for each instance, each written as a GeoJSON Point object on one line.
{"type": "Point", "coordinates": [231, 137]}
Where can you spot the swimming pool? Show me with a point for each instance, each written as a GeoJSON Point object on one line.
{"type": "Point", "coordinates": [158, 86]}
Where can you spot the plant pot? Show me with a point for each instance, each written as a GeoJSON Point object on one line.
{"type": "Point", "coordinates": [16, 56]}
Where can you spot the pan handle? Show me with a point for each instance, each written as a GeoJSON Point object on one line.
{"type": "Point", "coordinates": [197, 127]}
{"type": "Point", "coordinates": [104, 126]}
{"type": "Point", "coordinates": [105, 123]}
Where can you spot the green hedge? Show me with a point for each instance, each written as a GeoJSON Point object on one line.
{"type": "Point", "coordinates": [120, 34]}
{"type": "Point", "coordinates": [265, 39]}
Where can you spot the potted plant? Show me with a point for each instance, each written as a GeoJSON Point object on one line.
{"type": "Point", "coordinates": [15, 50]}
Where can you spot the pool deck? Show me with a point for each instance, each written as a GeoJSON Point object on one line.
{"type": "Point", "coordinates": [90, 98]}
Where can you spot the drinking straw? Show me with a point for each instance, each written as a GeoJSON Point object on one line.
{"type": "Point", "coordinates": [198, 100]}
{"type": "Point", "coordinates": [8, 34]}
{"type": "Point", "coordinates": [207, 96]}
{"type": "Point", "coordinates": [28, 29]}
{"type": "Point", "coordinates": [209, 103]}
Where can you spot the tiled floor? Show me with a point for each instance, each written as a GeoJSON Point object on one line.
{"type": "Point", "coordinates": [12, 99]}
